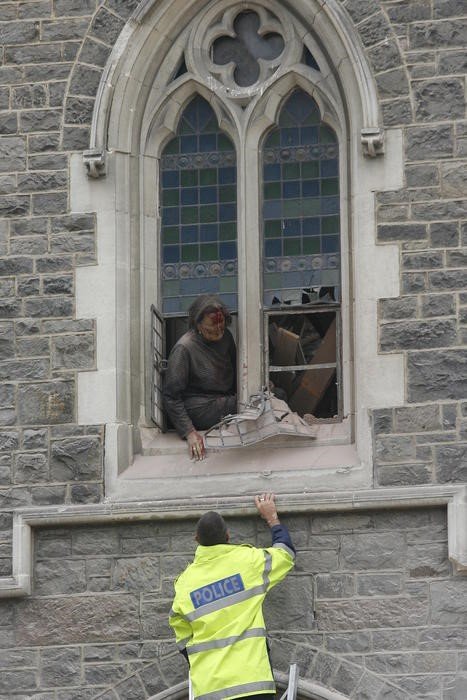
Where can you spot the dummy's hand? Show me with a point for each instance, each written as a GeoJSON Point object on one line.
{"type": "Point", "coordinates": [196, 448]}
{"type": "Point", "coordinates": [267, 508]}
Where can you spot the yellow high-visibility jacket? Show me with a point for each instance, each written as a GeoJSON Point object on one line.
{"type": "Point", "coordinates": [217, 617]}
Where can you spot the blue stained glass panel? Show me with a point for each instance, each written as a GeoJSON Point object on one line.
{"type": "Point", "coordinates": [197, 250]}
{"type": "Point", "coordinates": [300, 155]}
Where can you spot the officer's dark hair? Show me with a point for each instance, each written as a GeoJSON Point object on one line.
{"type": "Point", "coordinates": [206, 304]}
{"type": "Point", "coordinates": [211, 529]}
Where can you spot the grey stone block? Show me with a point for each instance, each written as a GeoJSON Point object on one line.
{"type": "Point", "coordinates": [131, 689]}
{"type": "Point", "coordinates": [76, 138]}
{"type": "Point", "coordinates": [291, 605]}
{"type": "Point", "coordinates": [382, 421]}
{"type": "Point", "coordinates": [46, 403]}
{"type": "Point", "coordinates": [73, 352]}
{"type": "Point", "coordinates": [406, 335]}
{"type": "Point", "coordinates": [449, 602]}
{"type": "Point", "coordinates": [392, 83]}
{"type": "Point", "coordinates": [123, 7]}
{"type": "Point", "coordinates": [429, 142]}
{"type": "Point", "coordinates": [90, 619]}
{"type": "Point", "coordinates": [444, 235]}
{"type": "Point", "coordinates": [73, 244]}
{"type": "Point", "coordinates": [7, 341]}
{"type": "Point", "coordinates": [40, 120]}
{"type": "Point", "coordinates": [385, 664]}
{"type": "Point", "coordinates": [77, 459]}
{"type": "Point", "coordinates": [7, 287]}
{"type": "Point", "coordinates": [64, 29]}
{"type": "Point", "coordinates": [55, 577]}
{"type": "Point", "coordinates": [379, 584]}
{"type": "Point", "coordinates": [394, 448]}
{"type": "Point", "coordinates": [14, 206]}
{"type": "Point", "coordinates": [57, 93]}
{"type": "Point", "coordinates": [47, 161]}
{"type": "Point", "coordinates": [447, 8]}
{"type": "Point", "coordinates": [92, 541]}
{"type": "Point", "coordinates": [385, 56]}
{"type": "Point", "coordinates": [136, 574]}
{"type": "Point", "coordinates": [8, 123]}
{"type": "Point", "coordinates": [106, 27]}
{"type": "Point", "coordinates": [73, 223]}
{"type": "Point", "coordinates": [335, 585]}
{"type": "Point", "coordinates": [449, 33]}
{"type": "Point", "coordinates": [58, 285]}
{"type": "Point", "coordinates": [424, 260]}
{"type": "Point", "coordinates": [21, 680]}
{"type": "Point", "coordinates": [104, 674]}
{"type": "Point", "coordinates": [428, 560]}
{"type": "Point", "coordinates": [37, 10]}
{"type": "Point", "coordinates": [397, 112]}
{"type": "Point", "coordinates": [7, 394]}
{"type": "Point", "coordinates": [85, 81]}
{"type": "Point", "coordinates": [24, 369]}
{"type": "Point", "coordinates": [372, 551]}
{"type": "Point", "coordinates": [36, 182]}
{"type": "Point", "coordinates": [451, 463]}
{"type": "Point", "coordinates": [47, 72]}
{"type": "Point", "coordinates": [10, 308]}
{"type": "Point", "coordinates": [30, 467]}
{"type": "Point", "coordinates": [442, 638]}
{"type": "Point", "coordinates": [86, 493]}
{"type": "Point", "coordinates": [438, 305]}
{"type": "Point", "coordinates": [394, 640]}
{"type": "Point", "coordinates": [69, 8]}
{"type": "Point", "coordinates": [33, 347]}
{"type": "Point", "coordinates": [53, 203]}
{"type": "Point", "coordinates": [94, 53]}
{"type": "Point", "coordinates": [401, 232]}
{"type": "Point", "coordinates": [67, 326]}
{"type": "Point", "coordinates": [374, 29]}
{"type": "Point", "coordinates": [368, 686]}
{"type": "Point", "coordinates": [19, 32]}
{"type": "Point", "coordinates": [45, 307]}
{"type": "Point", "coordinates": [417, 419]}
{"type": "Point", "coordinates": [29, 227]}
{"type": "Point", "coordinates": [48, 495]}
{"type": "Point", "coordinates": [29, 246]}
{"type": "Point", "coordinates": [60, 667]}
{"type": "Point", "coordinates": [27, 327]}
{"type": "Point", "coordinates": [54, 263]}
{"type": "Point", "coordinates": [447, 279]}
{"type": "Point", "coordinates": [456, 258]}
{"type": "Point", "coordinates": [52, 544]}
{"type": "Point", "coordinates": [425, 175]}
{"type": "Point", "coordinates": [452, 62]}
{"type": "Point", "coordinates": [14, 498]}
{"type": "Point", "coordinates": [34, 439]}
{"type": "Point", "coordinates": [437, 100]}
{"type": "Point", "coordinates": [453, 179]}
{"type": "Point", "coordinates": [79, 110]}
{"type": "Point", "coordinates": [29, 96]}
{"type": "Point", "coordinates": [437, 375]}
{"type": "Point", "coordinates": [398, 308]}
{"type": "Point", "coordinates": [370, 613]}
{"type": "Point", "coordinates": [28, 286]}
{"type": "Point", "coordinates": [18, 658]}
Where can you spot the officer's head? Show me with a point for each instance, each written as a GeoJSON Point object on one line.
{"type": "Point", "coordinates": [211, 529]}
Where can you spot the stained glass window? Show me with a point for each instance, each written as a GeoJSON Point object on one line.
{"type": "Point", "coordinates": [198, 212]}
{"type": "Point", "coordinates": [301, 212]}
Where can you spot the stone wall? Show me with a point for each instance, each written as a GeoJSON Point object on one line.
{"type": "Point", "coordinates": [371, 609]}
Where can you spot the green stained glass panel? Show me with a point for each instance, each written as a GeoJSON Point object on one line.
{"type": "Point", "coordinates": [208, 176]}
{"type": "Point", "coordinates": [330, 224]}
{"type": "Point", "coordinates": [272, 229]}
{"type": "Point", "coordinates": [228, 232]}
{"type": "Point", "coordinates": [228, 284]}
{"type": "Point", "coordinates": [291, 171]}
{"type": "Point", "coordinates": [292, 208]}
{"type": "Point", "coordinates": [311, 246]}
{"type": "Point", "coordinates": [311, 206]}
{"type": "Point", "coordinates": [228, 193]}
{"type": "Point", "coordinates": [292, 246]}
{"type": "Point", "coordinates": [209, 251]}
{"type": "Point", "coordinates": [170, 235]}
{"type": "Point", "coordinates": [208, 214]}
{"type": "Point", "coordinates": [189, 215]}
{"type": "Point", "coordinates": [170, 198]}
{"type": "Point", "coordinates": [272, 190]}
{"type": "Point", "coordinates": [189, 178]}
{"type": "Point", "coordinates": [310, 170]}
{"type": "Point", "coordinates": [190, 253]}
{"type": "Point", "coordinates": [330, 186]}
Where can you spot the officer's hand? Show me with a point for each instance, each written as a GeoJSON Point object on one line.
{"type": "Point", "coordinates": [196, 448]}
{"type": "Point", "coordinates": [267, 508]}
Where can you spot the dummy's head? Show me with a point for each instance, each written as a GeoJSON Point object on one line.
{"type": "Point", "coordinates": [211, 529]}
{"type": "Point", "coordinates": [208, 315]}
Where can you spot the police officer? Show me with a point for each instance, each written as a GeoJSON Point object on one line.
{"type": "Point", "coordinates": [217, 610]}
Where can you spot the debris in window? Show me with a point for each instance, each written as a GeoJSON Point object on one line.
{"type": "Point", "coordinates": [263, 417]}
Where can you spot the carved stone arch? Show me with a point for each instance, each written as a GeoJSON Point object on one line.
{"type": "Point", "coordinates": [266, 108]}
{"type": "Point", "coordinates": [157, 25]}
{"type": "Point", "coordinates": [163, 115]}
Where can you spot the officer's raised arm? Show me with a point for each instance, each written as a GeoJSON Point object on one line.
{"type": "Point", "coordinates": [266, 506]}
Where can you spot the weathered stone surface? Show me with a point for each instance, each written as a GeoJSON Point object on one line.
{"type": "Point", "coordinates": [404, 474]}
{"type": "Point", "coordinates": [18, 32]}
{"type": "Point", "coordinates": [60, 667]}
{"type": "Point", "coordinates": [24, 369]}
{"type": "Point", "coordinates": [14, 206]}
{"type": "Point", "coordinates": [32, 347]}
{"type": "Point", "coordinates": [424, 260]}
{"type": "Point", "coordinates": [428, 560]}
{"type": "Point", "coordinates": [55, 203]}
{"type": "Point", "coordinates": [49, 306]}
{"type": "Point", "coordinates": [437, 100]}
{"type": "Point", "coordinates": [447, 279]}
{"type": "Point", "coordinates": [94, 53]}
{"type": "Point", "coordinates": [437, 34]}
{"type": "Point", "coordinates": [35, 438]}
{"type": "Point", "coordinates": [28, 286]}
{"type": "Point", "coordinates": [54, 263]}
{"type": "Point", "coordinates": [453, 179]}
{"type": "Point", "coordinates": [392, 83]}
{"type": "Point", "coordinates": [394, 448]}
{"type": "Point", "coordinates": [46, 403]}
{"type": "Point", "coordinates": [86, 493]}
{"type": "Point", "coordinates": [7, 340]}
{"type": "Point", "coordinates": [438, 305]}
{"type": "Point", "coordinates": [106, 27]}
{"type": "Point", "coordinates": [64, 29]}
{"type": "Point", "coordinates": [293, 602]}
{"type": "Point", "coordinates": [398, 308]}
{"type": "Point", "coordinates": [452, 62]}
{"type": "Point", "coordinates": [397, 112]}
{"type": "Point", "coordinates": [451, 463]}
{"type": "Point", "coordinates": [29, 246]}
{"type": "Point", "coordinates": [402, 232]}
{"type": "Point", "coordinates": [79, 110]}
{"type": "Point", "coordinates": [54, 577]}
{"type": "Point", "coordinates": [136, 574]}
{"type": "Point", "coordinates": [23, 680]}
{"type": "Point", "coordinates": [30, 467]}
{"type": "Point", "coordinates": [437, 375]}
{"type": "Point", "coordinates": [335, 585]}
{"type": "Point", "coordinates": [91, 541]}
{"type": "Point", "coordinates": [15, 265]}
{"type": "Point", "coordinates": [449, 601]}
{"type": "Point", "coordinates": [85, 81]}
{"type": "Point", "coordinates": [69, 8]}
{"type": "Point", "coordinates": [372, 551]}
{"type": "Point", "coordinates": [78, 459]}
{"type": "Point", "coordinates": [370, 613]}
{"type": "Point", "coordinates": [406, 335]}
{"type": "Point", "coordinates": [428, 142]}
{"type": "Point", "coordinates": [385, 56]}
{"type": "Point", "coordinates": [73, 351]}
{"type": "Point", "coordinates": [89, 619]}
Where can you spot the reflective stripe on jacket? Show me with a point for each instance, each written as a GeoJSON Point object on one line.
{"type": "Point", "coordinates": [217, 616]}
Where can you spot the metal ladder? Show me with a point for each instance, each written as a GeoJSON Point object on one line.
{"type": "Point", "coordinates": [290, 692]}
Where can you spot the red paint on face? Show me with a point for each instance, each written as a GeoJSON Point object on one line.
{"type": "Point", "coordinates": [212, 326]}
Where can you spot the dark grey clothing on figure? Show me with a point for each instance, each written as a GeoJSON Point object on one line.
{"type": "Point", "coordinates": [200, 382]}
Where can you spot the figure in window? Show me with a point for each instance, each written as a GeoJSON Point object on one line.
{"type": "Point", "coordinates": [200, 383]}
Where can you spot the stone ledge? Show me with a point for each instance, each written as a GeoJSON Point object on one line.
{"type": "Point", "coordinates": [25, 519]}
